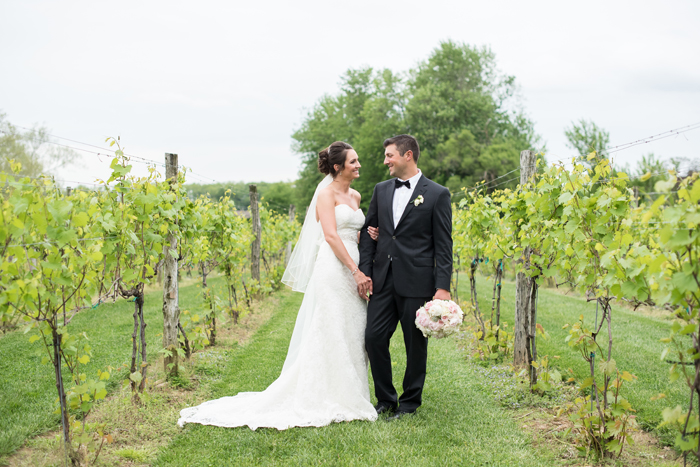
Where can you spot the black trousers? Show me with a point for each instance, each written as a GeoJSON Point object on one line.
{"type": "Point", "coordinates": [384, 311]}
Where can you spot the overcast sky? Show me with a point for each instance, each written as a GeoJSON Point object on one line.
{"type": "Point", "coordinates": [225, 84]}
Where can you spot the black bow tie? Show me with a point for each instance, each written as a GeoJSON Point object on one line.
{"type": "Point", "coordinates": [399, 184]}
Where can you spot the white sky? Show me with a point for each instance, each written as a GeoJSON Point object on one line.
{"type": "Point", "coordinates": [225, 84]}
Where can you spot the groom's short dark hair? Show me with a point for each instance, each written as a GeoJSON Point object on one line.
{"type": "Point", "coordinates": [404, 143]}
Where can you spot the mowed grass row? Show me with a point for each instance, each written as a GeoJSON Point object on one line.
{"type": "Point", "coordinates": [636, 345]}
{"type": "Point", "coordinates": [458, 424]}
{"type": "Point", "coordinates": [27, 389]}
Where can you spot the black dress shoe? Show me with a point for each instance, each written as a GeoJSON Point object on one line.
{"type": "Point", "coordinates": [399, 414]}
{"type": "Point", "coordinates": [384, 408]}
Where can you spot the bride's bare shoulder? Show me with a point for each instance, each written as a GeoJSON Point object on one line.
{"type": "Point", "coordinates": [325, 202]}
{"type": "Point", "coordinates": [326, 194]}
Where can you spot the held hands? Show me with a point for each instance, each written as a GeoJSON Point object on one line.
{"type": "Point", "coordinates": [442, 294]}
{"type": "Point", "coordinates": [364, 285]}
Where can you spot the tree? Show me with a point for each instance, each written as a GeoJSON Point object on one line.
{"type": "Point", "coordinates": [368, 109]}
{"type": "Point", "coordinates": [466, 116]}
{"type": "Point", "coordinates": [216, 191]}
{"type": "Point", "coordinates": [463, 112]}
{"type": "Point", "coordinates": [462, 161]}
{"type": "Point", "coordinates": [459, 87]}
{"type": "Point", "coordinates": [278, 195]}
{"type": "Point", "coordinates": [32, 149]}
{"type": "Point", "coordinates": [586, 137]}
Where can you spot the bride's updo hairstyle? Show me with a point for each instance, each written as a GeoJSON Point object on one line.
{"type": "Point", "coordinates": [333, 155]}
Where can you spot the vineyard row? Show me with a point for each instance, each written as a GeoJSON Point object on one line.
{"type": "Point", "coordinates": [61, 253]}
{"type": "Point", "coordinates": [584, 229]}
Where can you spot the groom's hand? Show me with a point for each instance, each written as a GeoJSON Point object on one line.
{"type": "Point", "coordinates": [442, 294]}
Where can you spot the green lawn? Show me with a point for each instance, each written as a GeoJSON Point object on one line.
{"type": "Point", "coordinates": [458, 423]}
{"type": "Point", "coordinates": [27, 388]}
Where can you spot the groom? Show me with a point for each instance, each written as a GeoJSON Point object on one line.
{"type": "Point", "coordinates": [409, 264]}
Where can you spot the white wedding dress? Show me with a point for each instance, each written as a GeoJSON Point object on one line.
{"type": "Point", "coordinates": [324, 378]}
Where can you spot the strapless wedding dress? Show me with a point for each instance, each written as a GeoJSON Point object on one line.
{"type": "Point", "coordinates": [324, 379]}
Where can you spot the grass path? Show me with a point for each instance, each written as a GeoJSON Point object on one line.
{"type": "Point", "coordinates": [458, 424]}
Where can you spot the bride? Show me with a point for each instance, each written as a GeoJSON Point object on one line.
{"type": "Point", "coordinates": [324, 377]}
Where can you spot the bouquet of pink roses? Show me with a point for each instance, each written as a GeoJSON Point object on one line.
{"type": "Point", "coordinates": [439, 318]}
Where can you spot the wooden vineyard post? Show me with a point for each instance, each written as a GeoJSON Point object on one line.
{"type": "Point", "coordinates": [522, 350]}
{"type": "Point", "coordinates": [171, 309]}
{"type": "Point", "coordinates": [257, 232]}
{"type": "Point", "coordinates": [292, 216]}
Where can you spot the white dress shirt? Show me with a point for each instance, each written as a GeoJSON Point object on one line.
{"type": "Point", "coordinates": [402, 196]}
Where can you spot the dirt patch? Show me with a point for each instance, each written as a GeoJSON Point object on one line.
{"type": "Point", "coordinates": [548, 432]}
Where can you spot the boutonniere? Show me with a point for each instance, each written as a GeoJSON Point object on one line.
{"type": "Point", "coordinates": [418, 200]}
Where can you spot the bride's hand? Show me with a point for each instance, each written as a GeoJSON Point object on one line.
{"type": "Point", "coordinates": [373, 232]}
{"type": "Point", "coordinates": [364, 285]}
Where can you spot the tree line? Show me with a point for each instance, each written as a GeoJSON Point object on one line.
{"type": "Point", "coordinates": [463, 111]}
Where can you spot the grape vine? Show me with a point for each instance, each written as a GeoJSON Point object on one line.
{"type": "Point", "coordinates": [62, 253]}
{"type": "Point", "coordinates": [584, 229]}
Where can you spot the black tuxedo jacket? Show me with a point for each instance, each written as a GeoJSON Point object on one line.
{"type": "Point", "coordinates": [419, 249]}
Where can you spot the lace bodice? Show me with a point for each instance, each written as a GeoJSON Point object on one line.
{"type": "Point", "coordinates": [348, 222]}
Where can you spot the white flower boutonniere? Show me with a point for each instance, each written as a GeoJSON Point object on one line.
{"type": "Point", "coordinates": [418, 200]}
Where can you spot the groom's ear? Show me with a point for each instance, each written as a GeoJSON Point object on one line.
{"type": "Point", "coordinates": [409, 155]}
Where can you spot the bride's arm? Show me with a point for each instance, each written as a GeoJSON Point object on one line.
{"type": "Point", "coordinates": [325, 206]}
